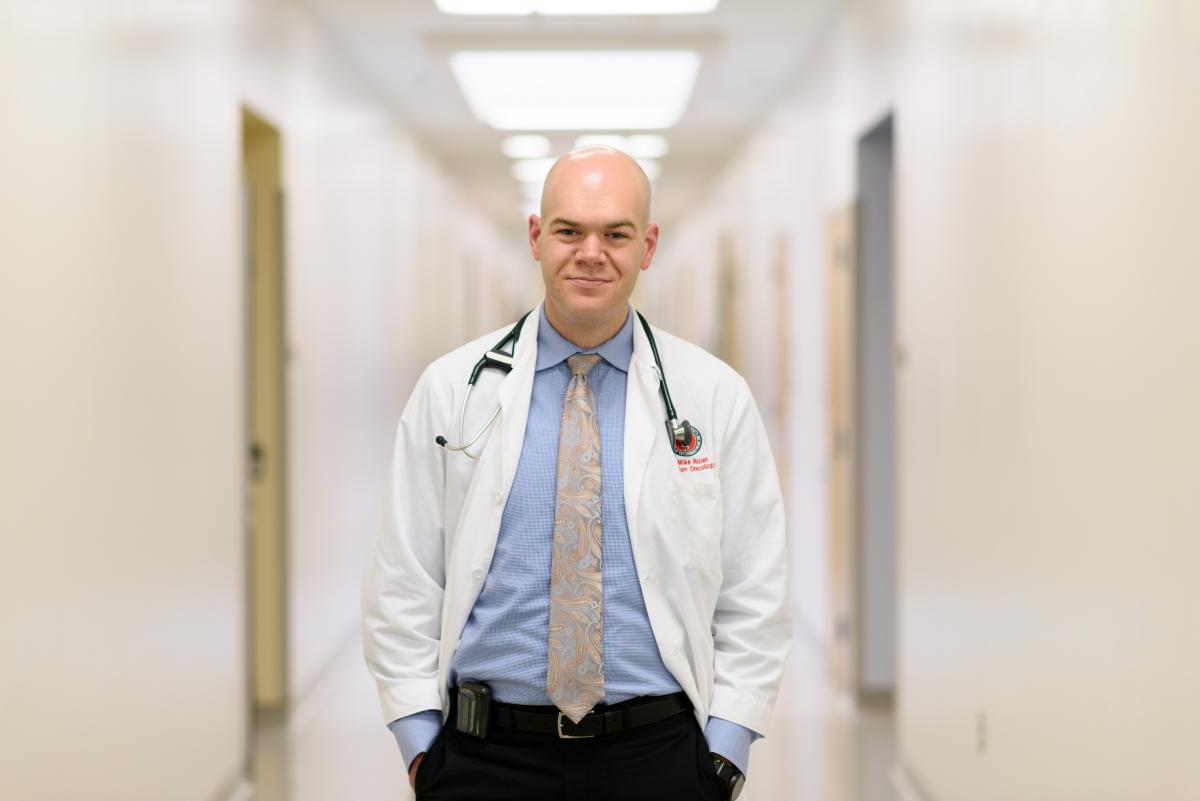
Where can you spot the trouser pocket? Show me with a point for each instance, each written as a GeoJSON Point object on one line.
{"type": "Point", "coordinates": [432, 764]}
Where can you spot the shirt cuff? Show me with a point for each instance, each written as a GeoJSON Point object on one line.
{"type": "Point", "coordinates": [730, 741]}
{"type": "Point", "coordinates": [415, 733]}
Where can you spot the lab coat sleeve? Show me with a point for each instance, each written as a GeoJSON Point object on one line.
{"type": "Point", "coordinates": [405, 574]}
{"type": "Point", "coordinates": [752, 629]}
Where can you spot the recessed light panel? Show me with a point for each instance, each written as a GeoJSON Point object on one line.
{"type": "Point", "coordinates": [608, 140]}
{"type": "Point", "coordinates": [532, 171]}
{"type": "Point", "coordinates": [526, 146]}
{"type": "Point", "coordinates": [492, 7]}
{"type": "Point", "coordinates": [576, 7]}
{"type": "Point", "coordinates": [648, 146]}
{"type": "Point", "coordinates": [564, 90]}
{"type": "Point", "coordinates": [641, 146]}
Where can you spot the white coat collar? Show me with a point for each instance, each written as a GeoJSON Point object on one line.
{"type": "Point", "coordinates": [644, 411]}
{"type": "Point", "coordinates": [514, 394]}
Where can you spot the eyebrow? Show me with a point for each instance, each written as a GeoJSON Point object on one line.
{"type": "Point", "coordinates": [612, 226]}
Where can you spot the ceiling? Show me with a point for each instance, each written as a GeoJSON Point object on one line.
{"type": "Point", "coordinates": [750, 50]}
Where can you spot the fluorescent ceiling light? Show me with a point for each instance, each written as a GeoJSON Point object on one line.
{"type": "Point", "coordinates": [550, 7]}
{"type": "Point", "coordinates": [648, 146]}
{"type": "Point", "coordinates": [532, 171]}
{"type": "Point", "coordinates": [564, 90]}
{"type": "Point", "coordinates": [494, 7]}
{"type": "Point", "coordinates": [641, 146]}
{"type": "Point", "coordinates": [608, 140]}
{"type": "Point", "coordinates": [526, 146]}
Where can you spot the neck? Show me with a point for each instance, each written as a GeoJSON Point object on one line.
{"type": "Point", "coordinates": [586, 336]}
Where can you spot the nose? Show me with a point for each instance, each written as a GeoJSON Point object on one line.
{"type": "Point", "coordinates": [590, 250]}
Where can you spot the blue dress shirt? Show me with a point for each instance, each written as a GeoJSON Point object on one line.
{"type": "Point", "coordinates": [504, 643]}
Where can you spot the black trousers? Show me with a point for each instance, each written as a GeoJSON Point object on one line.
{"type": "Point", "coordinates": [665, 761]}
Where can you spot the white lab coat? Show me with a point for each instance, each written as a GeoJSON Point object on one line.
{"type": "Point", "coordinates": [708, 542]}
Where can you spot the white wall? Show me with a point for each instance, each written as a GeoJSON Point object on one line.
{"type": "Point", "coordinates": [1047, 432]}
{"type": "Point", "coordinates": [121, 328]}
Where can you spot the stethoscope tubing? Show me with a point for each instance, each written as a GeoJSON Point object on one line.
{"type": "Point", "coordinates": [677, 431]}
{"type": "Point", "coordinates": [462, 421]}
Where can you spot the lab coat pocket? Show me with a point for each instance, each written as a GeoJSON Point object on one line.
{"type": "Point", "coordinates": [697, 504]}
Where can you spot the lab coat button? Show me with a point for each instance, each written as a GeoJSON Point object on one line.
{"type": "Point", "coordinates": [499, 497]}
{"type": "Point", "coordinates": [477, 573]}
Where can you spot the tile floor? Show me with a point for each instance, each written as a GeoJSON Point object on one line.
{"type": "Point", "coordinates": [336, 748]}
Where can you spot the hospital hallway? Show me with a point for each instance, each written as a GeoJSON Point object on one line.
{"type": "Point", "coordinates": [819, 744]}
{"type": "Point", "coordinates": [945, 251]}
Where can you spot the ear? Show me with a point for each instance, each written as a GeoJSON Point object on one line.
{"type": "Point", "coordinates": [651, 244]}
{"type": "Point", "coordinates": [535, 236]}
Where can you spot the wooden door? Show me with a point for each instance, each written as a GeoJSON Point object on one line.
{"type": "Point", "coordinates": [841, 441]}
{"type": "Point", "coordinates": [265, 383]}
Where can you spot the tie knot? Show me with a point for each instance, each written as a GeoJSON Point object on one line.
{"type": "Point", "coordinates": [582, 363]}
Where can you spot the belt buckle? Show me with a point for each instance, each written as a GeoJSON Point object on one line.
{"type": "Point", "coordinates": [562, 736]}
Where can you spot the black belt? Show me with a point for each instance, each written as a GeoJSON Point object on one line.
{"type": "Point", "coordinates": [603, 719]}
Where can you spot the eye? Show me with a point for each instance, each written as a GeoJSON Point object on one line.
{"type": "Point", "coordinates": [618, 235]}
{"type": "Point", "coordinates": [565, 232]}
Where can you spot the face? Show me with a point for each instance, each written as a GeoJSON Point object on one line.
{"type": "Point", "coordinates": [592, 239]}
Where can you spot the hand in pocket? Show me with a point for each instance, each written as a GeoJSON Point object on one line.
{"type": "Point", "coordinates": [412, 770]}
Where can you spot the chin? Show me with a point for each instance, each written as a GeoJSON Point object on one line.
{"type": "Point", "coordinates": [587, 307]}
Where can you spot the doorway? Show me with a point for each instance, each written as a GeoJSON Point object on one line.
{"type": "Point", "coordinates": [876, 392]}
{"type": "Point", "coordinates": [861, 439]}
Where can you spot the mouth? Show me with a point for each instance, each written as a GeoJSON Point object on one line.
{"type": "Point", "coordinates": [588, 282]}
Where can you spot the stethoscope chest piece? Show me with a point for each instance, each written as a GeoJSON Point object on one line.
{"type": "Point", "coordinates": [680, 433]}
{"type": "Point", "coordinates": [689, 443]}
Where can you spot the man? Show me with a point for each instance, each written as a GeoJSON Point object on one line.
{"type": "Point", "coordinates": [567, 590]}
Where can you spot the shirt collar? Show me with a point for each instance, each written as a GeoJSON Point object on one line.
{"type": "Point", "coordinates": [553, 348]}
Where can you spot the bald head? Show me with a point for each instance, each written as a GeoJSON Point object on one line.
{"type": "Point", "coordinates": [593, 238]}
{"type": "Point", "coordinates": [598, 170]}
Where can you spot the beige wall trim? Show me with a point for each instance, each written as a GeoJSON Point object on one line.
{"type": "Point", "coordinates": [236, 788]}
{"type": "Point", "coordinates": [907, 787]}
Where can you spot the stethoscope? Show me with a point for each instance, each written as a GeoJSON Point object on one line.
{"type": "Point", "coordinates": [678, 431]}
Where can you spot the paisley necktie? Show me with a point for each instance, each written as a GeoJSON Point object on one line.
{"type": "Point", "coordinates": [575, 669]}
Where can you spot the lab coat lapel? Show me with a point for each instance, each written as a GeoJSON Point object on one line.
{"type": "Point", "coordinates": [479, 524]}
{"type": "Point", "coordinates": [514, 393]}
{"type": "Point", "coordinates": [643, 415]}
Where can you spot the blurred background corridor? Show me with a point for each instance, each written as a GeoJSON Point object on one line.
{"type": "Point", "coordinates": [947, 242]}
